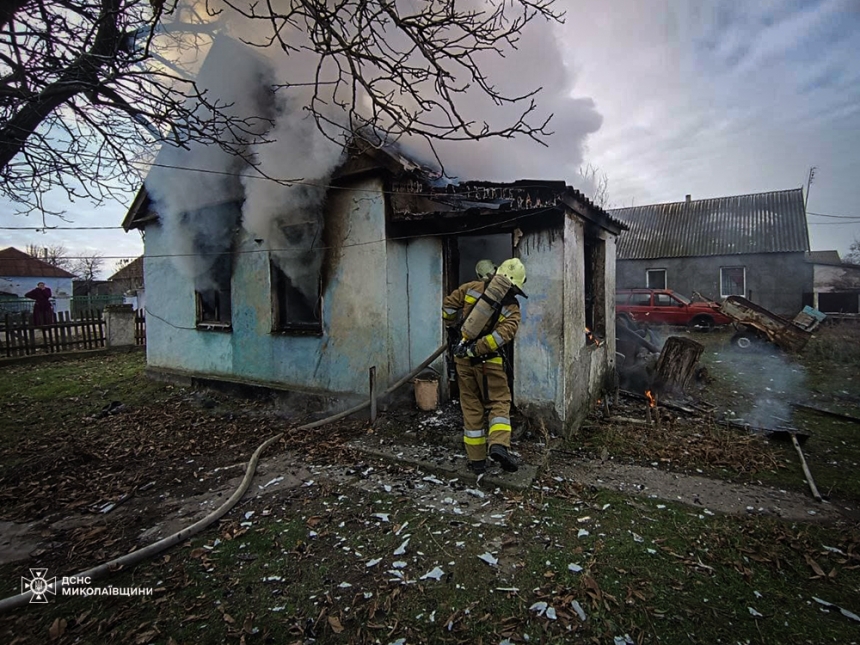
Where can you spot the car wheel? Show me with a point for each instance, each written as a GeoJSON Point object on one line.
{"type": "Point", "coordinates": [702, 323]}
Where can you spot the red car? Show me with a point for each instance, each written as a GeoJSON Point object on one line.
{"type": "Point", "coordinates": [665, 307]}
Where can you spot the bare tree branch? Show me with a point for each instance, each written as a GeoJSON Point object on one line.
{"type": "Point", "coordinates": [89, 88]}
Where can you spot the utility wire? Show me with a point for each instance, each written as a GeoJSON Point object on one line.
{"type": "Point", "coordinates": [324, 248]}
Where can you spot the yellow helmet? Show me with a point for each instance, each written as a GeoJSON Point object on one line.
{"type": "Point", "coordinates": [485, 269]}
{"type": "Point", "coordinates": [514, 270]}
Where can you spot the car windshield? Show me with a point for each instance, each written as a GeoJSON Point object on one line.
{"type": "Point", "coordinates": [683, 299]}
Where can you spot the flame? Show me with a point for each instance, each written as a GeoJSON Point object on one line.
{"type": "Point", "coordinates": [652, 400]}
{"type": "Point", "coordinates": [590, 336]}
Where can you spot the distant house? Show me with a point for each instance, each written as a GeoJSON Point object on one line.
{"type": "Point", "coordinates": [750, 245]}
{"type": "Point", "coordinates": [394, 242]}
{"type": "Point", "coordinates": [21, 272]}
{"type": "Point", "coordinates": [128, 282]}
{"type": "Point", "coordinates": [835, 284]}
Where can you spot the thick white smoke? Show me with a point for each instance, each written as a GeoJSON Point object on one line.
{"type": "Point", "coordinates": [193, 186]}
{"type": "Point", "coordinates": [287, 220]}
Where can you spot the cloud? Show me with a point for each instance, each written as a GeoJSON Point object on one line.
{"type": "Point", "coordinates": [724, 98]}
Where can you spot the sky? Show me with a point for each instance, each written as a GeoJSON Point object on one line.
{"type": "Point", "coordinates": [667, 97]}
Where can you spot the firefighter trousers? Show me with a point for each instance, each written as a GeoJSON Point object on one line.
{"type": "Point", "coordinates": [485, 399]}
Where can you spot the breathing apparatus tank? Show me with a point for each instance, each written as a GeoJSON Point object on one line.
{"type": "Point", "coordinates": [486, 307]}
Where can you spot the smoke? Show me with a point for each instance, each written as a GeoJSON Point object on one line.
{"type": "Point", "coordinates": [192, 187]}
{"type": "Point", "coordinates": [765, 384]}
{"type": "Point", "coordinates": [286, 219]}
{"type": "Point", "coordinates": [538, 62]}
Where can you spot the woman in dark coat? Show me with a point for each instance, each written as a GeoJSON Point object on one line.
{"type": "Point", "coordinates": [42, 310]}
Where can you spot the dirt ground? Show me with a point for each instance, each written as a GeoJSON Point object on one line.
{"type": "Point", "coordinates": [95, 461]}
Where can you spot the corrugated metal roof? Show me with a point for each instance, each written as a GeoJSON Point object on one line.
{"type": "Point", "coordinates": [17, 264]}
{"type": "Point", "coordinates": [773, 222]}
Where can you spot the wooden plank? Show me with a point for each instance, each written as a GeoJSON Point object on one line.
{"type": "Point", "coordinates": [88, 336]}
{"type": "Point", "coordinates": [8, 324]}
{"type": "Point", "coordinates": [100, 328]}
{"type": "Point", "coordinates": [31, 335]}
{"type": "Point", "coordinates": [61, 321]}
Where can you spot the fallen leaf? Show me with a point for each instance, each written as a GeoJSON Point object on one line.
{"type": "Point", "coordinates": [229, 619]}
{"type": "Point", "coordinates": [336, 627]}
{"type": "Point", "coordinates": [58, 628]}
{"type": "Point", "coordinates": [815, 567]}
{"type": "Point", "coordinates": [145, 637]}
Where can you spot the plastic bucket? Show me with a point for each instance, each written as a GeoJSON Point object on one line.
{"type": "Point", "coordinates": [427, 393]}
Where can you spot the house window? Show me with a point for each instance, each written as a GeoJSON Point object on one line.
{"type": "Point", "coordinates": [655, 278]}
{"type": "Point", "coordinates": [732, 281]}
{"type": "Point", "coordinates": [295, 307]}
{"type": "Point", "coordinates": [212, 294]}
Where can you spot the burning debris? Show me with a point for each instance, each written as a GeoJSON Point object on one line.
{"type": "Point", "coordinates": [591, 337]}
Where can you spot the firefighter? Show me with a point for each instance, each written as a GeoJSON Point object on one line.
{"type": "Point", "coordinates": [485, 270]}
{"type": "Point", "coordinates": [485, 396]}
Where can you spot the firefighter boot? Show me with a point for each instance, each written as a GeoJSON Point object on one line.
{"type": "Point", "coordinates": [500, 454]}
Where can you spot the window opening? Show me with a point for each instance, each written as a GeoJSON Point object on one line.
{"type": "Point", "coordinates": [732, 281]}
{"type": "Point", "coordinates": [655, 278]}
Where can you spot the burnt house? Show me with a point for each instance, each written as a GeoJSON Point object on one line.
{"type": "Point", "coordinates": [393, 241]}
{"type": "Point", "coordinates": [749, 245]}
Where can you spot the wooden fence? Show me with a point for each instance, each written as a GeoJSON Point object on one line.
{"type": "Point", "coordinates": [21, 337]}
{"type": "Point", "coordinates": [139, 327]}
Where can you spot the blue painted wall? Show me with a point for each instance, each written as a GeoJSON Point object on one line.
{"type": "Point", "coordinates": [380, 308]}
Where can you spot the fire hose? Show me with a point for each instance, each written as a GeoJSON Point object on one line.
{"type": "Point", "coordinates": [135, 557]}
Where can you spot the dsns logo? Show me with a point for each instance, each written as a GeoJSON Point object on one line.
{"type": "Point", "coordinates": [39, 585]}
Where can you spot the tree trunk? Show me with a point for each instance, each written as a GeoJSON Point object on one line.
{"type": "Point", "coordinates": [677, 364]}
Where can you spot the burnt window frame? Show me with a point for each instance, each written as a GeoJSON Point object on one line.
{"type": "Point", "coordinates": [224, 321]}
{"type": "Point", "coordinates": [278, 288]}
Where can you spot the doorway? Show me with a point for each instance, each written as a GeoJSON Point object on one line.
{"type": "Point", "coordinates": [464, 252]}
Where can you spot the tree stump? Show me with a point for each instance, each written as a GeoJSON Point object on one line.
{"type": "Point", "coordinates": [677, 364]}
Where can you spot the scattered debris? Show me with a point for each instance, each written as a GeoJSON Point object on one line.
{"type": "Point", "coordinates": [844, 612]}
{"type": "Point", "coordinates": [435, 574]}
{"type": "Point", "coordinates": [489, 559]}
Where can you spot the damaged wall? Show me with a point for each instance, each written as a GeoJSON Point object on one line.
{"type": "Point", "coordinates": [539, 378]}
{"type": "Point", "coordinates": [366, 319]}
{"type": "Point", "coordinates": [559, 373]}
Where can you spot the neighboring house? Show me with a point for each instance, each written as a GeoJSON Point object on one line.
{"type": "Point", "coordinates": [21, 272]}
{"type": "Point", "coordinates": [835, 285]}
{"type": "Point", "coordinates": [748, 245]}
{"type": "Point", "coordinates": [394, 244]}
{"type": "Point", "coordinates": [128, 281]}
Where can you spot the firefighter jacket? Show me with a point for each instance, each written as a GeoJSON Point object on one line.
{"type": "Point", "coordinates": [456, 308]}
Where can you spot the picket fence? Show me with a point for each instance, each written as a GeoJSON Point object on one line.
{"type": "Point", "coordinates": [22, 337]}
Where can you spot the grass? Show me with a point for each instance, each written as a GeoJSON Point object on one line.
{"type": "Point", "coordinates": [650, 570]}
{"type": "Point", "coordinates": [66, 391]}
{"type": "Point", "coordinates": [293, 566]}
